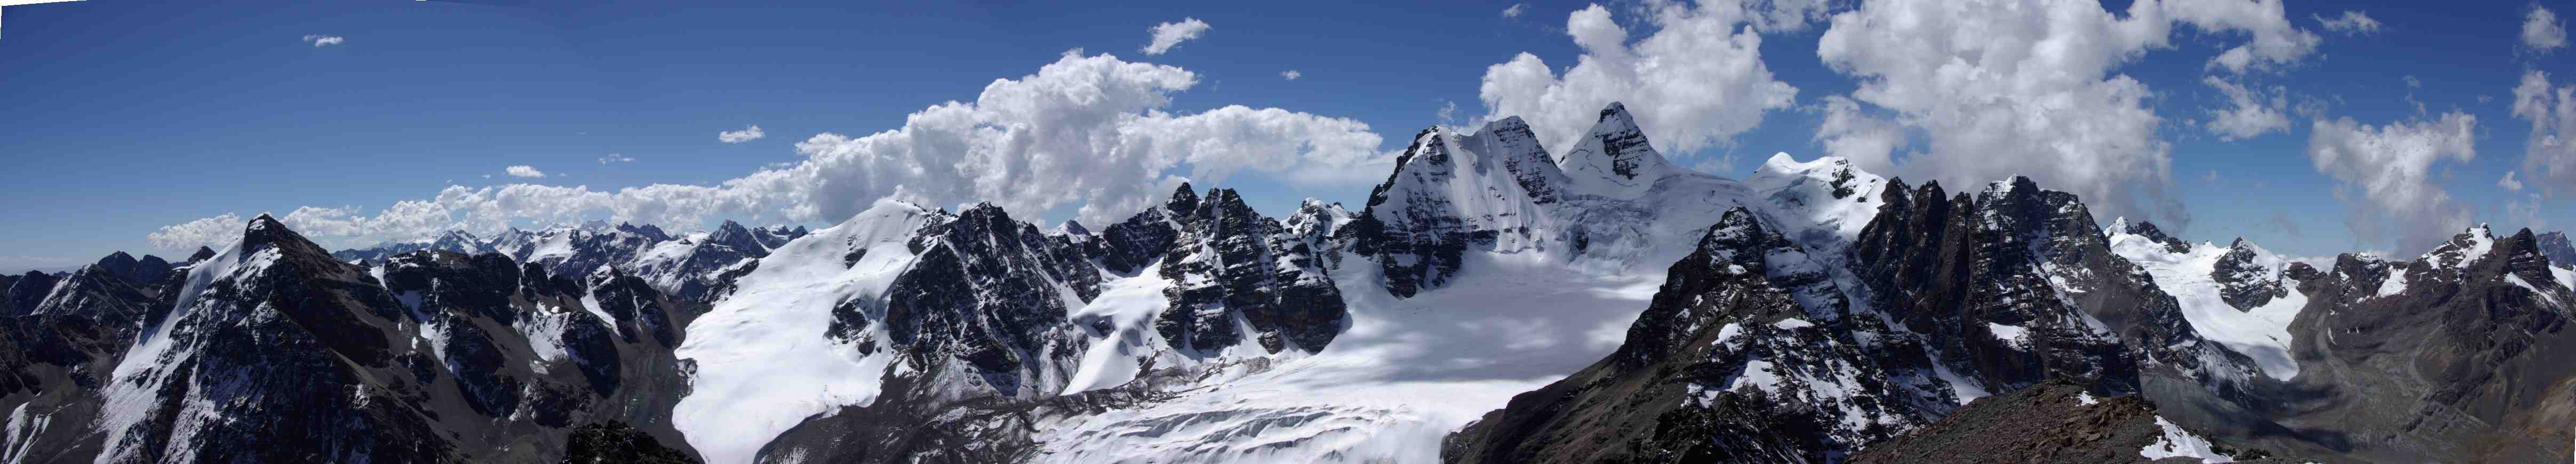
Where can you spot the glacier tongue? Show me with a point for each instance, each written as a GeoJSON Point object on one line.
{"type": "Point", "coordinates": [1405, 373]}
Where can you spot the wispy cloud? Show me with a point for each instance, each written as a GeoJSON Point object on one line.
{"type": "Point", "coordinates": [1168, 35]}
{"type": "Point", "coordinates": [616, 159]}
{"type": "Point", "coordinates": [1291, 74]}
{"type": "Point", "coordinates": [319, 40]}
{"type": "Point", "coordinates": [2351, 23]}
{"type": "Point", "coordinates": [1516, 10]}
{"type": "Point", "coordinates": [745, 135]}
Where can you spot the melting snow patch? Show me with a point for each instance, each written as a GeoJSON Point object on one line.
{"type": "Point", "coordinates": [2395, 284]}
{"type": "Point", "coordinates": [1757, 374]}
{"type": "Point", "coordinates": [2177, 443]}
{"type": "Point", "coordinates": [2526, 285]}
{"type": "Point", "coordinates": [1791, 324]}
{"type": "Point", "coordinates": [2010, 333]}
{"type": "Point", "coordinates": [1967, 390]}
{"type": "Point", "coordinates": [2086, 398]}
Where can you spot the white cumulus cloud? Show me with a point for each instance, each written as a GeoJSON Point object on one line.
{"type": "Point", "coordinates": [2005, 87]}
{"type": "Point", "coordinates": [525, 171]}
{"type": "Point", "coordinates": [1291, 74]}
{"type": "Point", "coordinates": [1697, 81]}
{"type": "Point", "coordinates": [739, 136]}
{"type": "Point", "coordinates": [2391, 167]}
{"type": "Point", "coordinates": [1168, 35]}
{"type": "Point", "coordinates": [2509, 183]}
{"type": "Point", "coordinates": [323, 40]}
{"type": "Point", "coordinates": [1084, 130]}
{"type": "Point", "coordinates": [2542, 31]}
{"type": "Point", "coordinates": [2274, 42]}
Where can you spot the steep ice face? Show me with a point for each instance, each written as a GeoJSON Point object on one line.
{"type": "Point", "coordinates": [1823, 203]}
{"type": "Point", "coordinates": [1442, 201]}
{"type": "Point", "coordinates": [1510, 144]}
{"type": "Point", "coordinates": [1612, 205]}
{"type": "Point", "coordinates": [2260, 331]}
{"type": "Point", "coordinates": [765, 360]}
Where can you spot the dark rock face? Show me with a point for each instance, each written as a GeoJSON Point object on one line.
{"type": "Point", "coordinates": [618, 443]}
{"type": "Point", "coordinates": [94, 292]}
{"type": "Point", "coordinates": [2242, 283]}
{"type": "Point", "coordinates": [2555, 246]}
{"type": "Point", "coordinates": [121, 265]}
{"type": "Point", "coordinates": [1953, 268]}
{"type": "Point", "coordinates": [201, 255]}
{"type": "Point", "coordinates": [1233, 266]}
{"type": "Point", "coordinates": [151, 270]}
{"type": "Point", "coordinates": [27, 291]}
{"type": "Point", "coordinates": [2049, 422]}
{"type": "Point", "coordinates": [289, 323]}
{"type": "Point", "coordinates": [1688, 386]}
{"type": "Point", "coordinates": [982, 299]}
{"type": "Point", "coordinates": [279, 352]}
{"type": "Point", "coordinates": [1126, 247]}
{"type": "Point", "coordinates": [1408, 227]}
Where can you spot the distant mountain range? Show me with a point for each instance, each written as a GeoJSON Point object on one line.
{"type": "Point", "coordinates": [1492, 302]}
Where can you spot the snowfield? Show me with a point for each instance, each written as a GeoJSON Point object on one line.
{"type": "Point", "coordinates": [2262, 333]}
{"type": "Point", "coordinates": [763, 360]}
{"type": "Point", "coordinates": [1405, 374]}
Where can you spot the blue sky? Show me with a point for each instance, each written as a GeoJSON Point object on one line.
{"type": "Point", "coordinates": [126, 117]}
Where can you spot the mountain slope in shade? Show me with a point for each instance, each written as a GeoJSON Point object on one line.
{"type": "Point", "coordinates": [1758, 349]}
{"type": "Point", "coordinates": [2056, 422]}
{"type": "Point", "coordinates": [273, 351]}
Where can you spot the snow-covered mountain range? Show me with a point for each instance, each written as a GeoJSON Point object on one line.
{"type": "Point", "coordinates": [1492, 302]}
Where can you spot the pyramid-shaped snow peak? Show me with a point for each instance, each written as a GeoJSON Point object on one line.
{"type": "Point", "coordinates": [1613, 159]}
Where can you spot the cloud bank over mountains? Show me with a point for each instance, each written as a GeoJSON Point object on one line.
{"type": "Point", "coordinates": [1962, 92]}
{"type": "Point", "coordinates": [1087, 131]}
